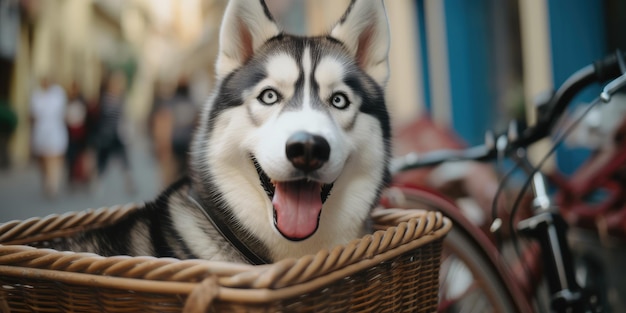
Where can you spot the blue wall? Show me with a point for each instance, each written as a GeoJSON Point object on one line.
{"type": "Point", "coordinates": [423, 44]}
{"type": "Point", "coordinates": [471, 75]}
{"type": "Point", "coordinates": [577, 32]}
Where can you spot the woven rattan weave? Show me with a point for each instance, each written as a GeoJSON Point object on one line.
{"type": "Point", "coordinates": [394, 269]}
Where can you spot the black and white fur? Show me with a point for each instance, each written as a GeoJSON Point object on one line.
{"type": "Point", "coordinates": [329, 90]}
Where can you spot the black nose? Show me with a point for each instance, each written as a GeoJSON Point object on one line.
{"type": "Point", "coordinates": [306, 151]}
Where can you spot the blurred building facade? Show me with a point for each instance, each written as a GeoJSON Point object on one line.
{"type": "Point", "coordinates": [80, 40]}
{"type": "Point", "coordinates": [468, 65]}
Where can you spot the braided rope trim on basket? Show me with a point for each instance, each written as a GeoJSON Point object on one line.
{"type": "Point", "coordinates": [411, 225]}
{"type": "Point", "coordinates": [56, 225]}
{"type": "Point", "coordinates": [296, 271]}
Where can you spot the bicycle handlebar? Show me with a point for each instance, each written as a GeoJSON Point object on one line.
{"type": "Point", "coordinates": [433, 158]}
{"type": "Point", "coordinates": [600, 72]}
{"type": "Point", "coordinates": [609, 68]}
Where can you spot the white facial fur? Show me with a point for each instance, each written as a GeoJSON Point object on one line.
{"type": "Point", "coordinates": [268, 145]}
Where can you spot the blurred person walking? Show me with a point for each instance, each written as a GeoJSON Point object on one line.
{"type": "Point", "coordinates": [8, 124]}
{"type": "Point", "coordinates": [111, 137]}
{"type": "Point", "coordinates": [49, 133]}
{"type": "Point", "coordinates": [173, 121]}
{"type": "Point", "coordinates": [78, 162]}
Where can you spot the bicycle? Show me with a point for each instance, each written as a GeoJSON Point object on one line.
{"type": "Point", "coordinates": [476, 274]}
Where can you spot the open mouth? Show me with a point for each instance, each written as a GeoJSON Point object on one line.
{"type": "Point", "coordinates": [297, 204]}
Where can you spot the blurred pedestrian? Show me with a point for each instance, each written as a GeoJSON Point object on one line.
{"type": "Point", "coordinates": [173, 120]}
{"type": "Point", "coordinates": [111, 137]}
{"type": "Point", "coordinates": [8, 124]}
{"type": "Point", "coordinates": [49, 133]}
{"type": "Point", "coordinates": [76, 118]}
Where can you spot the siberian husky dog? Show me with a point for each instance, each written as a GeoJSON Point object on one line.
{"type": "Point", "coordinates": [291, 152]}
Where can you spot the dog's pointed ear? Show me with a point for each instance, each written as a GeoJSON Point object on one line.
{"type": "Point", "coordinates": [245, 27]}
{"type": "Point", "coordinates": [364, 30]}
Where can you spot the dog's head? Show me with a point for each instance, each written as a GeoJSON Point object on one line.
{"type": "Point", "coordinates": [297, 134]}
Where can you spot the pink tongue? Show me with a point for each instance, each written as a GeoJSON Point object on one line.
{"type": "Point", "coordinates": [298, 205]}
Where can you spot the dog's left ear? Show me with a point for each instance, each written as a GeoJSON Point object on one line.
{"type": "Point", "coordinates": [364, 30]}
{"type": "Point", "coordinates": [245, 27]}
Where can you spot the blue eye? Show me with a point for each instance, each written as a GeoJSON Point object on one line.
{"type": "Point", "coordinates": [269, 96]}
{"type": "Point", "coordinates": [339, 100]}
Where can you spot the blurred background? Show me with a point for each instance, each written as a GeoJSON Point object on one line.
{"type": "Point", "coordinates": [129, 76]}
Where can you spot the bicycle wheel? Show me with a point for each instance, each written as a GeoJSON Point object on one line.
{"type": "Point", "coordinates": [468, 280]}
{"type": "Point", "coordinates": [468, 283]}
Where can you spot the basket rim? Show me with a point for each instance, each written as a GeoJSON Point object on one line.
{"type": "Point", "coordinates": [255, 284]}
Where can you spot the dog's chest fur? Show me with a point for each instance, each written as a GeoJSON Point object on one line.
{"type": "Point", "coordinates": [171, 226]}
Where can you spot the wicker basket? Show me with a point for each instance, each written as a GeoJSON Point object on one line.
{"type": "Point", "coordinates": [393, 270]}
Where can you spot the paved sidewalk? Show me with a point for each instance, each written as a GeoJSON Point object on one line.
{"type": "Point", "coordinates": [21, 196]}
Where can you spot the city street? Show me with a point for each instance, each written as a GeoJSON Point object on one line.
{"type": "Point", "coordinates": [21, 196]}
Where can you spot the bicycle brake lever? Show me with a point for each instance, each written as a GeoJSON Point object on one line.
{"type": "Point", "coordinates": [611, 88]}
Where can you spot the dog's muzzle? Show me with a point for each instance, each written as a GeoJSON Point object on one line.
{"type": "Point", "coordinates": [298, 204]}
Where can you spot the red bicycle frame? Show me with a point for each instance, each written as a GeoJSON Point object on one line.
{"type": "Point", "coordinates": [604, 171]}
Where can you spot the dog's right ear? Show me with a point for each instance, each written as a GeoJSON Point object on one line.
{"type": "Point", "coordinates": [245, 27]}
{"type": "Point", "coordinates": [365, 32]}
